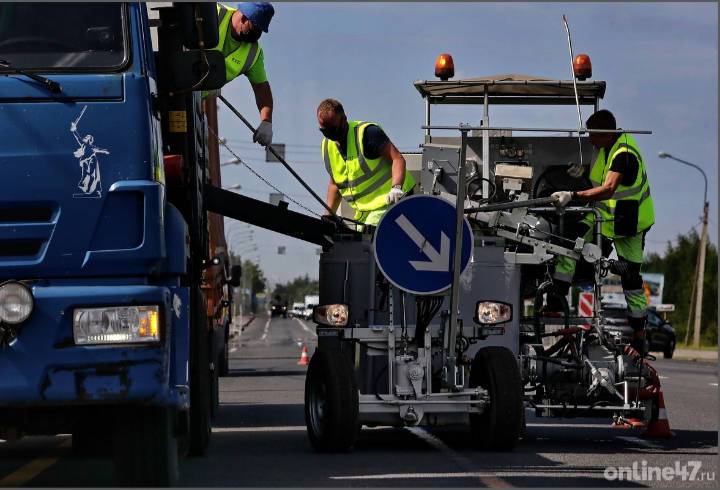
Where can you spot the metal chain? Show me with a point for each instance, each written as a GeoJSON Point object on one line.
{"type": "Point", "coordinates": [256, 174]}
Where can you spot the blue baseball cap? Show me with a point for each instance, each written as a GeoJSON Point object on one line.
{"type": "Point", "coordinates": [259, 13]}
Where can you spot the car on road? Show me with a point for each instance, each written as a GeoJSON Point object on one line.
{"type": "Point", "coordinates": [297, 310]}
{"type": "Point", "coordinates": [308, 311]}
{"type": "Point", "coordinates": [659, 333]}
{"type": "Point", "coordinates": [278, 307]}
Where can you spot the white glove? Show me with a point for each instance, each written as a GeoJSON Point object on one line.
{"type": "Point", "coordinates": [562, 197]}
{"type": "Point", "coordinates": [575, 170]}
{"type": "Point", "coordinates": [395, 194]}
{"type": "Point", "coordinates": [263, 133]}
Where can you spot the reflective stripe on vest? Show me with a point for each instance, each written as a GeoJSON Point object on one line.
{"type": "Point", "coordinates": [237, 61]}
{"type": "Point", "coordinates": [363, 183]}
{"type": "Point", "coordinates": [638, 191]}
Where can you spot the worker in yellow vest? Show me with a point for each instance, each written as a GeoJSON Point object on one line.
{"type": "Point", "coordinates": [365, 167]}
{"type": "Point", "coordinates": [621, 193]}
{"type": "Point", "coordinates": [239, 31]}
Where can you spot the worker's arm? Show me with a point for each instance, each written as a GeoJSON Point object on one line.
{"type": "Point", "coordinates": [390, 152]}
{"type": "Point", "coordinates": [333, 196]}
{"type": "Point", "coordinates": [603, 192]}
{"type": "Point", "coordinates": [264, 100]}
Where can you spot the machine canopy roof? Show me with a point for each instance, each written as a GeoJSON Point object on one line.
{"type": "Point", "coordinates": [510, 88]}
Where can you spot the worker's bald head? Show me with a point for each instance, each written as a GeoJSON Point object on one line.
{"type": "Point", "coordinates": [332, 119]}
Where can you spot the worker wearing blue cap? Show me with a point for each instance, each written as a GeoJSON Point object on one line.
{"type": "Point", "coordinates": [240, 30]}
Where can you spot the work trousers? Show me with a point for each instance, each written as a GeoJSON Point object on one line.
{"type": "Point", "coordinates": [630, 256]}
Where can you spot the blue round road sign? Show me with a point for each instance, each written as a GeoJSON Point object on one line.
{"type": "Point", "coordinates": [415, 244]}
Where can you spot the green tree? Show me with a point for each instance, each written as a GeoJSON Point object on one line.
{"type": "Point", "coordinates": [253, 279]}
{"type": "Point", "coordinates": [678, 265]}
{"type": "Point", "coordinates": [295, 291]}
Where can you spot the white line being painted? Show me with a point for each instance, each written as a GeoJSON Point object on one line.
{"type": "Point", "coordinates": [640, 442]}
{"type": "Point", "coordinates": [486, 479]}
{"type": "Point", "coordinates": [306, 328]}
{"type": "Point", "coordinates": [279, 428]}
{"type": "Point", "coordinates": [713, 384]}
{"type": "Point", "coordinates": [265, 329]}
{"type": "Point", "coordinates": [473, 474]}
{"type": "Point", "coordinates": [550, 425]}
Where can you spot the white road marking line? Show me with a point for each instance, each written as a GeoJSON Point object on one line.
{"type": "Point", "coordinates": [641, 442]}
{"type": "Point", "coordinates": [233, 349]}
{"type": "Point", "coordinates": [573, 426]}
{"type": "Point", "coordinates": [279, 428]}
{"type": "Point", "coordinates": [265, 329]}
{"type": "Point", "coordinates": [487, 479]}
{"type": "Point", "coordinates": [713, 384]}
{"type": "Point", "coordinates": [663, 377]}
{"type": "Point", "coordinates": [306, 328]}
{"type": "Point", "coordinates": [471, 474]}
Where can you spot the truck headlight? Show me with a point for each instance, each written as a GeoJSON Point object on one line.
{"type": "Point", "coordinates": [116, 325]}
{"type": "Point", "coordinates": [492, 312]}
{"type": "Point", "coordinates": [16, 303]}
{"type": "Point", "coordinates": [332, 315]}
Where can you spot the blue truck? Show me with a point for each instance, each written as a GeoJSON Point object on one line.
{"type": "Point", "coordinates": [115, 286]}
{"type": "Point", "coordinates": [115, 282]}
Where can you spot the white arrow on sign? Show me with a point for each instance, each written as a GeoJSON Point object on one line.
{"type": "Point", "coordinates": [439, 261]}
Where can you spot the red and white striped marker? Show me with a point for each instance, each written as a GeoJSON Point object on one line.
{"type": "Point", "coordinates": [585, 304]}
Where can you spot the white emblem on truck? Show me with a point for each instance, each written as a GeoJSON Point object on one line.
{"type": "Point", "coordinates": [87, 155]}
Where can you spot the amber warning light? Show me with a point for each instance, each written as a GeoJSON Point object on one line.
{"type": "Point", "coordinates": [582, 68]}
{"type": "Point", "coordinates": [444, 67]}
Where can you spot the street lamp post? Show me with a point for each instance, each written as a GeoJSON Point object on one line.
{"type": "Point", "coordinates": [700, 269]}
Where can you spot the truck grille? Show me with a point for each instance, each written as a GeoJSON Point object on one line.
{"type": "Point", "coordinates": [25, 229]}
{"type": "Point", "coordinates": [30, 214]}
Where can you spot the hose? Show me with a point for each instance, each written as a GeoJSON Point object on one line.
{"type": "Point", "coordinates": [549, 287]}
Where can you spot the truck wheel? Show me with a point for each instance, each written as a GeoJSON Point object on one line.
{"type": "Point", "coordinates": [200, 382]}
{"type": "Point", "coordinates": [669, 350]}
{"type": "Point", "coordinates": [146, 450]}
{"type": "Point", "coordinates": [498, 427]}
{"type": "Point", "coordinates": [331, 402]}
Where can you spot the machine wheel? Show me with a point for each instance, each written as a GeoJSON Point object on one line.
{"type": "Point", "coordinates": [499, 426]}
{"type": "Point", "coordinates": [669, 350]}
{"type": "Point", "coordinates": [200, 382]}
{"type": "Point", "coordinates": [331, 402]}
{"type": "Point", "coordinates": [146, 449]}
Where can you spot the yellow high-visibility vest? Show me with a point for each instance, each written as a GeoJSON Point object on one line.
{"type": "Point", "coordinates": [630, 210]}
{"type": "Point", "coordinates": [239, 60]}
{"type": "Point", "coordinates": [363, 183]}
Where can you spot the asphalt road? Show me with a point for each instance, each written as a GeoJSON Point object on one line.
{"type": "Point", "coordinates": [259, 438]}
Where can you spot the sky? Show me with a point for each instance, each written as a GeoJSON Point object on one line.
{"type": "Point", "coordinates": [660, 62]}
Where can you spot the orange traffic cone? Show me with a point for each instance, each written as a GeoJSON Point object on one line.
{"type": "Point", "coordinates": [660, 427]}
{"type": "Point", "coordinates": [631, 423]}
{"type": "Point", "coordinates": [304, 358]}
